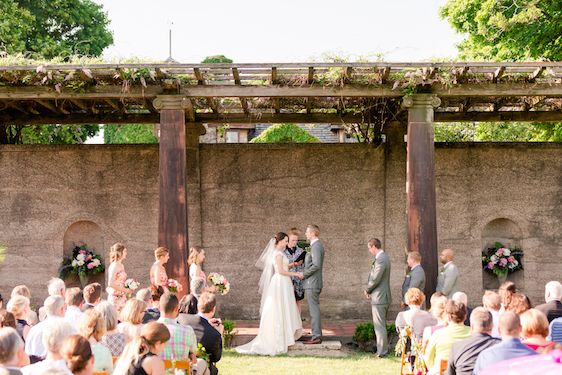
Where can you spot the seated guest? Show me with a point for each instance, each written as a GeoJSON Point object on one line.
{"type": "Point", "coordinates": [188, 304]}
{"type": "Point", "coordinates": [141, 356]}
{"type": "Point", "coordinates": [131, 317]}
{"type": "Point", "coordinates": [54, 309]}
{"type": "Point", "coordinates": [151, 313]}
{"type": "Point", "coordinates": [461, 297]}
{"type": "Point", "coordinates": [77, 353]}
{"type": "Point", "coordinates": [552, 295]}
{"type": "Point", "coordinates": [441, 342]}
{"type": "Point", "coordinates": [92, 296]}
{"type": "Point", "coordinates": [22, 290]}
{"type": "Point", "coordinates": [510, 346]}
{"type": "Point", "coordinates": [207, 329]}
{"type": "Point", "coordinates": [535, 330]}
{"type": "Point", "coordinates": [492, 302]}
{"type": "Point", "coordinates": [53, 336]}
{"type": "Point", "coordinates": [12, 355]}
{"type": "Point", "coordinates": [438, 301]}
{"type": "Point", "coordinates": [555, 331]}
{"type": "Point", "coordinates": [74, 300]}
{"type": "Point", "coordinates": [92, 327]}
{"type": "Point", "coordinates": [464, 353]}
{"type": "Point", "coordinates": [7, 319]}
{"type": "Point", "coordinates": [519, 304]}
{"type": "Point", "coordinates": [55, 287]}
{"type": "Point", "coordinates": [415, 317]}
{"type": "Point", "coordinates": [19, 306]}
{"type": "Point", "coordinates": [183, 343]}
{"type": "Point", "coordinates": [113, 339]}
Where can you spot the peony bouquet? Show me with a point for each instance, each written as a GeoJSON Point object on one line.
{"type": "Point", "coordinates": [221, 284]}
{"type": "Point", "coordinates": [131, 284]}
{"type": "Point", "coordinates": [174, 286]}
{"type": "Point", "coordinates": [82, 262]}
{"type": "Point", "coordinates": [501, 260]}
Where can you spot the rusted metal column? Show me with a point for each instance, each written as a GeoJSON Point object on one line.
{"type": "Point", "coordinates": [172, 222]}
{"type": "Point", "coordinates": [420, 184]}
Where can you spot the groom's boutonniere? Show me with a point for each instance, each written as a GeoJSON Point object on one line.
{"type": "Point", "coordinates": [442, 269]}
{"type": "Point", "coordinates": [307, 249]}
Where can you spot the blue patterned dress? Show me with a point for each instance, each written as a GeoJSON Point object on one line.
{"type": "Point", "coordinates": [293, 254]}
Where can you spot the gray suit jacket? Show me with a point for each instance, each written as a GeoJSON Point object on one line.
{"type": "Point", "coordinates": [378, 284]}
{"type": "Point", "coordinates": [414, 279]}
{"type": "Point", "coordinates": [447, 280]}
{"type": "Point", "coordinates": [313, 266]}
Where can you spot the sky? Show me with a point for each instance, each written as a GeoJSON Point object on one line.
{"type": "Point", "coordinates": [279, 31]}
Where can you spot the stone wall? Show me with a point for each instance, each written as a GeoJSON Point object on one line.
{"type": "Point", "coordinates": [49, 194]}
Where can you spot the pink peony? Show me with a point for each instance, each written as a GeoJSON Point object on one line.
{"type": "Point", "coordinates": [503, 261]}
{"type": "Point", "coordinates": [491, 265]}
{"type": "Point", "coordinates": [499, 252]}
{"type": "Point", "coordinates": [90, 265]}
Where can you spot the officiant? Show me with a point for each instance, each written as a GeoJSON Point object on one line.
{"type": "Point", "coordinates": [296, 257]}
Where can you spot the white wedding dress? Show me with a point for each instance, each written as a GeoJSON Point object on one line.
{"type": "Point", "coordinates": [280, 323]}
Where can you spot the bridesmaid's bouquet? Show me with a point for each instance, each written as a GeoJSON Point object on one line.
{"type": "Point", "coordinates": [132, 284]}
{"type": "Point", "coordinates": [221, 284]}
{"type": "Point", "coordinates": [173, 286]}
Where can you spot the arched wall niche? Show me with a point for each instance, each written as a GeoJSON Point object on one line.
{"type": "Point", "coordinates": [507, 232]}
{"type": "Point", "coordinates": [89, 233]}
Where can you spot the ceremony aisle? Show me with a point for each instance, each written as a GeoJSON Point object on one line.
{"type": "Point", "coordinates": [356, 364]}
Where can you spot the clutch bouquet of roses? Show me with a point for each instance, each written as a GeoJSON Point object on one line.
{"type": "Point", "coordinates": [173, 286]}
{"type": "Point", "coordinates": [219, 282]}
{"type": "Point", "coordinates": [132, 285]}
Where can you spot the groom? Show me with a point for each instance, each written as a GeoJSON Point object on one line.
{"type": "Point", "coordinates": [313, 281]}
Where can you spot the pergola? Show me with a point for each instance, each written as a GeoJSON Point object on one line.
{"type": "Point", "coordinates": [181, 97]}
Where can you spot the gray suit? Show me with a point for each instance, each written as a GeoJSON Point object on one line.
{"type": "Point", "coordinates": [313, 285]}
{"type": "Point", "coordinates": [378, 287]}
{"type": "Point", "coordinates": [447, 280]}
{"type": "Point", "coordinates": [414, 279]}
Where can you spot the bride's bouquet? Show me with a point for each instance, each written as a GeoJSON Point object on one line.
{"type": "Point", "coordinates": [131, 284]}
{"type": "Point", "coordinates": [221, 284]}
{"type": "Point", "coordinates": [173, 286]}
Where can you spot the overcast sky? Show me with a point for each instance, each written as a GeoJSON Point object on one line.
{"type": "Point", "coordinates": [279, 31]}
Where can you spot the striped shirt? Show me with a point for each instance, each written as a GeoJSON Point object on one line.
{"type": "Point", "coordinates": [182, 340]}
{"type": "Point", "coordinates": [555, 330]}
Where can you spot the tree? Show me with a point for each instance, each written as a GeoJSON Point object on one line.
{"type": "Point", "coordinates": [217, 59]}
{"type": "Point", "coordinates": [129, 133]}
{"type": "Point", "coordinates": [507, 29]}
{"type": "Point", "coordinates": [498, 132]}
{"type": "Point", "coordinates": [285, 133]}
{"type": "Point", "coordinates": [54, 28]}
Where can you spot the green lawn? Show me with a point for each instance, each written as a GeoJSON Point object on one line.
{"type": "Point", "coordinates": [356, 364]}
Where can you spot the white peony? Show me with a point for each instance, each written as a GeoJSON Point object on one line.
{"type": "Point", "coordinates": [80, 257]}
{"type": "Point", "coordinates": [506, 252]}
{"type": "Point", "coordinates": [80, 263]}
{"type": "Point", "coordinates": [74, 263]}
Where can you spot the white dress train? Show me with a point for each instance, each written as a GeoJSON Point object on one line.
{"type": "Point", "coordinates": [280, 323]}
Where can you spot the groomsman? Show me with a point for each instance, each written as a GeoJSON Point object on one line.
{"type": "Point", "coordinates": [448, 277]}
{"type": "Point", "coordinates": [416, 277]}
{"type": "Point", "coordinates": [378, 291]}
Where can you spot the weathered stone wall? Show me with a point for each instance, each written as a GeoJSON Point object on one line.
{"type": "Point", "coordinates": [249, 192]}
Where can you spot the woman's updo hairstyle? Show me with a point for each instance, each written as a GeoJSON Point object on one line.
{"type": "Point", "coordinates": [77, 352]}
{"type": "Point", "coordinates": [280, 237]}
{"type": "Point", "coordinates": [116, 252]}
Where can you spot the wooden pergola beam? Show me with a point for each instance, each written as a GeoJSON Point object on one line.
{"type": "Point", "coordinates": [237, 81]}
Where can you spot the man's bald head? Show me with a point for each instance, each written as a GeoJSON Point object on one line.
{"type": "Point", "coordinates": [447, 256]}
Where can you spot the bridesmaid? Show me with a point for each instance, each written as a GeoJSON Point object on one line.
{"type": "Point", "coordinates": [195, 261]}
{"type": "Point", "coordinates": [158, 275]}
{"type": "Point", "coordinates": [117, 293]}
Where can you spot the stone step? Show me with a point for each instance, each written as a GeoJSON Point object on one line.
{"type": "Point", "coordinates": [325, 345]}
{"type": "Point", "coordinates": [328, 348]}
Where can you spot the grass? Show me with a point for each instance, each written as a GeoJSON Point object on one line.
{"type": "Point", "coordinates": [356, 364]}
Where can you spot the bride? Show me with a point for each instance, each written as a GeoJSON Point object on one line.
{"type": "Point", "coordinates": [280, 323]}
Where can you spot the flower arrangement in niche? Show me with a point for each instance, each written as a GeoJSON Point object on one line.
{"type": "Point", "coordinates": [501, 260]}
{"type": "Point", "coordinates": [82, 263]}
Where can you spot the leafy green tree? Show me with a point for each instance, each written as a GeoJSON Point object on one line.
{"type": "Point", "coordinates": [48, 30]}
{"type": "Point", "coordinates": [507, 29]}
{"type": "Point", "coordinates": [217, 59]}
{"type": "Point", "coordinates": [54, 28]}
{"type": "Point", "coordinates": [129, 133]}
{"type": "Point", "coordinates": [285, 133]}
{"type": "Point", "coordinates": [498, 132]}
